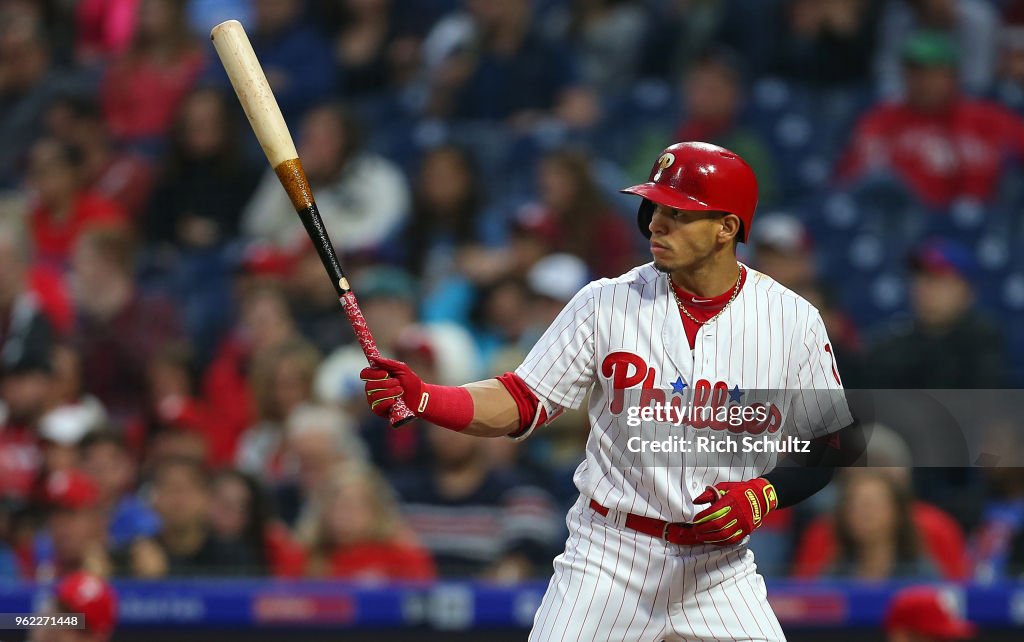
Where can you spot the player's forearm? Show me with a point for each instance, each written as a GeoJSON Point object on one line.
{"type": "Point", "coordinates": [802, 476]}
{"type": "Point", "coordinates": [495, 413]}
{"type": "Point", "coordinates": [490, 408]}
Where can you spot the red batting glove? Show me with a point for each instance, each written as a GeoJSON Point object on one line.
{"type": "Point", "coordinates": [736, 510]}
{"type": "Point", "coordinates": [387, 381]}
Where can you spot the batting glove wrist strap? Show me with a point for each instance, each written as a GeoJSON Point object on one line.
{"type": "Point", "coordinates": [387, 381]}
{"type": "Point", "coordinates": [736, 510]}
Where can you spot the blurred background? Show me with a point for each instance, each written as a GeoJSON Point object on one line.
{"type": "Point", "coordinates": [181, 410]}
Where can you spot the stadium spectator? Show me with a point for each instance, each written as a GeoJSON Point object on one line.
{"type": "Point", "coordinates": [205, 181]}
{"type": "Point", "coordinates": [24, 391]}
{"type": "Point", "coordinates": [713, 100]}
{"type": "Point", "coordinates": [606, 37]}
{"type": "Point", "coordinates": [175, 405]}
{"type": "Point", "coordinates": [26, 285]}
{"type": "Point", "coordinates": [997, 543]}
{"type": "Point", "coordinates": [60, 431]}
{"type": "Point", "coordinates": [108, 462]}
{"type": "Point", "coordinates": [501, 318]}
{"type": "Point", "coordinates": [264, 323]}
{"type": "Point", "coordinates": [318, 440]}
{"type": "Point", "coordinates": [376, 42]}
{"type": "Point", "coordinates": [677, 32]}
{"type": "Point", "coordinates": [121, 176]}
{"type": "Point", "coordinates": [238, 517]}
{"type": "Point", "coordinates": [493, 64]}
{"type": "Point", "coordinates": [574, 216]}
{"type": "Point", "coordinates": [85, 593]}
{"type": "Point", "coordinates": [143, 88]}
{"type": "Point", "coordinates": [72, 412]}
{"type": "Point", "coordinates": [64, 209]}
{"type": "Point", "coordinates": [784, 250]}
{"type": "Point", "coordinates": [76, 526]}
{"type": "Point", "coordinates": [495, 527]}
{"type": "Point", "coordinates": [830, 43]}
{"type": "Point", "coordinates": [172, 444]}
{"type": "Point", "coordinates": [946, 344]}
{"type": "Point", "coordinates": [358, 533]}
{"type": "Point", "coordinates": [924, 614]}
{"type": "Point", "coordinates": [357, 191]}
{"type": "Point", "coordinates": [241, 514]}
{"type": "Point", "coordinates": [295, 57]}
{"type": "Point", "coordinates": [29, 82]}
{"type": "Point", "coordinates": [875, 531]}
{"type": "Point", "coordinates": [281, 381]}
{"type": "Point", "coordinates": [181, 495]}
{"type": "Point", "coordinates": [973, 25]}
{"type": "Point", "coordinates": [25, 331]}
{"type": "Point", "coordinates": [120, 327]}
{"type": "Point", "coordinates": [942, 539]}
{"type": "Point", "coordinates": [104, 29]}
{"type": "Point", "coordinates": [447, 202]}
{"type": "Point", "coordinates": [941, 144]}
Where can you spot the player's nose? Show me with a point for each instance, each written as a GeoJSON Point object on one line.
{"type": "Point", "coordinates": [658, 221]}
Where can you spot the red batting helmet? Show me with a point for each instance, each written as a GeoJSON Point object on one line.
{"type": "Point", "coordinates": [699, 177]}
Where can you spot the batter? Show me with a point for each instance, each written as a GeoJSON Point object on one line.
{"type": "Point", "coordinates": [691, 349]}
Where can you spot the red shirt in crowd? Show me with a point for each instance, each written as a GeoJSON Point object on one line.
{"type": "Point", "coordinates": [140, 98]}
{"type": "Point", "coordinates": [104, 27]}
{"type": "Point", "coordinates": [225, 387]}
{"type": "Point", "coordinates": [957, 153]}
{"type": "Point", "coordinates": [20, 461]}
{"type": "Point", "coordinates": [383, 561]}
{"type": "Point", "coordinates": [54, 238]}
{"type": "Point", "coordinates": [941, 536]}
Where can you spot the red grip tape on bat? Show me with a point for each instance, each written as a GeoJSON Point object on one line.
{"type": "Point", "coordinates": [400, 413]}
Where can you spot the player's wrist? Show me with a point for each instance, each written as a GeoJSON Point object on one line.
{"type": "Point", "coordinates": [766, 495]}
{"type": "Point", "coordinates": [449, 407]}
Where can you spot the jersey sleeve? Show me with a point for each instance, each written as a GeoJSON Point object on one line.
{"type": "Point", "coordinates": [560, 368]}
{"type": "Point", "coordinates": [819, 401]}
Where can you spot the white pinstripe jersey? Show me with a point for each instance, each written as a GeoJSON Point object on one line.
{"type": "Point", "coordinates": [622, 341]}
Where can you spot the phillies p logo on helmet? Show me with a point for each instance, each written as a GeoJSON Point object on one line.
{"type": "Point", "coordinates": [664, 163]}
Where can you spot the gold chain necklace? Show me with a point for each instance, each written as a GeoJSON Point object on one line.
{"type": "Point", "coordinates": [735, 291]}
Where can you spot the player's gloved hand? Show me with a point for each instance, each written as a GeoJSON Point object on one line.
{"type": "Point", "coordinates": [736, 510]}
{"type": "Point", "coordinates": [387, 381]}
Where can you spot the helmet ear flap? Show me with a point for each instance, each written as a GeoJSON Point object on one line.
{"type": "Point", "coordinates": [644, 216]}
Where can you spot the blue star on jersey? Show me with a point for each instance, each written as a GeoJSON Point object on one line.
{"type": "Point", "coordinates": [735, 394]}
{"type": "Point", "coordinates": [678, 386]}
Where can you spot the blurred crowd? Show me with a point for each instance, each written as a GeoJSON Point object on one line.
{"type": "Point", "coordinates": [179, 392]}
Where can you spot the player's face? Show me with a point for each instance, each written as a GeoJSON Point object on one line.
{"type": "Point", "coordinates": [683, 239]}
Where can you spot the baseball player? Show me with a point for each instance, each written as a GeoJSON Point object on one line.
{"type": "Point", "coordinates": [657, 549]}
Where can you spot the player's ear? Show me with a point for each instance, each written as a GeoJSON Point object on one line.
{"type": "Point", "coordinates": [730, 228]}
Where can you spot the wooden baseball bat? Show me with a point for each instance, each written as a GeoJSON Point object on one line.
{"type": "Point", "coordinates": [264, 114]}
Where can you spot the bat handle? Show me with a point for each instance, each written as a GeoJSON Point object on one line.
{"type": "Point", "coordinates": [400, 413]}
